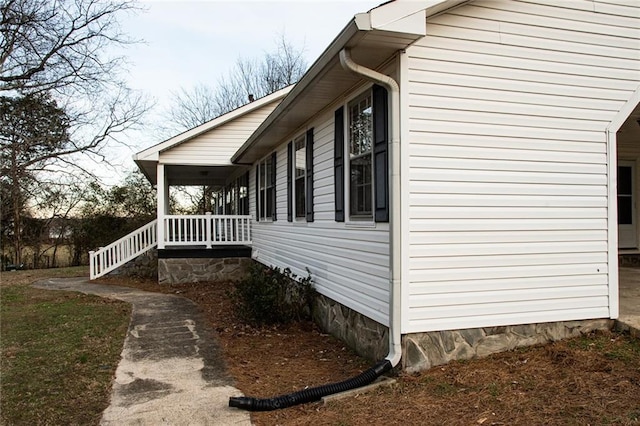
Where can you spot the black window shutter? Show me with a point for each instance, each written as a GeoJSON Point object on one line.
{"type": "Point", "coordinates": [380, 153]}
{"type": "Point", "coordinates": [338, 163]}
{"type": "Point", "coordinates": [273, 185]}
{"type": "Point", "coordinates": [309, 194]}
{"type": "Point", "coordinates": [258, 191]}
{"type": "Point", "coordinates": [289, 168]}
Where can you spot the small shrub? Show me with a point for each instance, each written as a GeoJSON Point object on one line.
{"type": "Point", "coordinates": [273, 296]}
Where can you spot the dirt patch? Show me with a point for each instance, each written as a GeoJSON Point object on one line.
{"type": "Point", "coordinates": [589, 380]}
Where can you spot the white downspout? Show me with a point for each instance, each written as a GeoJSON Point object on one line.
{"type": "Point", "coordinates": [395, 347]}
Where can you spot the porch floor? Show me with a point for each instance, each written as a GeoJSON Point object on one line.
{"type": "Point", "coordinates": [630, 297]}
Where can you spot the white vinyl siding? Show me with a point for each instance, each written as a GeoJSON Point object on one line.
{"type": "Point", "coordinates": [348, 264]}
{"type": "Point", "coordinates": [218, 145]}
{"type": "Point", "coordinates": [508, 104]}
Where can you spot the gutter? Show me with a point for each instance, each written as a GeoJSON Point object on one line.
{"type": "Point", "coordinates": [395, 277]}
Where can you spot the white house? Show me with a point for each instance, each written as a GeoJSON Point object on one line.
{"type": "Point", "coordinates": [461, 173]}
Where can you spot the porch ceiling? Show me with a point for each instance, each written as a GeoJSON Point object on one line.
{"type": "Point", "coordinates": [200, 175]}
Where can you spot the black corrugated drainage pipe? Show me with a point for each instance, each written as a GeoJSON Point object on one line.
{"type": "Point", "coordinates": [312, 394]}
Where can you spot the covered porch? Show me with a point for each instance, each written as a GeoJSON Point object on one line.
{"type": "Point", "coordinates": [222, 233]}
{"type": "Point", "coordinates": [226, 220]}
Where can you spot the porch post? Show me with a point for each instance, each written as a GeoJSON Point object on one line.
{"type": "Point", "coordinates": [162, 189]}
{"type": "Point", "coordinates": [208, 230]}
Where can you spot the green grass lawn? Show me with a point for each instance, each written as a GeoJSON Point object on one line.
{"type": "Point", "coordinates": [59, 351]}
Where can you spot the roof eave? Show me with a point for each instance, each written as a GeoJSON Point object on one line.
{"type": "Point", "coordinates": [405, 18]}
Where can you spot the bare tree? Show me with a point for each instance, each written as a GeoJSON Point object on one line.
{"type": "Point", "coordinates": [55, 62]}
{"type": "Point", "coordinates": [196, 106]}
{"type": "Point", "coordinates": [58, 44]}
{"type": "Point", "coordinates": [250, 78]}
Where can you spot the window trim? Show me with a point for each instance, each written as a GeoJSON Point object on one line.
{"type": "Point", "coordinates": [262, 193]}
{"type": "Point", "coordinates": [349, 216]}
{"type": "Point", "coordinates": [296, 215]}
{"type": "Point", "coordinates": [305, 180]}
{"type": "Point", "coordinates": [380, 166]}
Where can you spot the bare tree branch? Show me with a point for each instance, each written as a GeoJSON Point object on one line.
{"type": "Point", "coordinates": [248, 79]}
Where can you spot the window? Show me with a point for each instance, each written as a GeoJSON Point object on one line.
{"type": "Point", "coordinates": [361, 157]}
{"type": "Point", "coordinates": [266, 180]}
{"type": "Point", "coordinates": [243, 194]}
{"type": "Point", "coordinates": [230, 202]}
{"type": "Point", "coordinates": [300, 177]}
{"type": "Point", "coordinates": [300, 163]}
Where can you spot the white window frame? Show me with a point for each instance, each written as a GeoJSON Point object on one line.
{"type": "Point", "coordinates": [263, 196]}
{"type": "Point", "coordinates": [299, 215]}
{"type": "Point", "coordinates": [364, 219]}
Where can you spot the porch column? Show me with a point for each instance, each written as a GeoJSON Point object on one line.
{"type": "Point", "coordinates": [162, 191]}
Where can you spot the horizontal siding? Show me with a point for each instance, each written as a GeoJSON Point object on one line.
{"type": "Point", "coordinates": [508, 103]}
{"type": "Point", "coordinates": [348, 264]}
{"type": "Point", "coordinates": [217, 146]}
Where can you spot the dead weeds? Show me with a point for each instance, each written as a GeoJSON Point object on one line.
{"type": "Point", "coordinates": [589, 380]}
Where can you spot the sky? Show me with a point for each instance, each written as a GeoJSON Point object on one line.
{"type": "Point", "coordinates": [188, 42]}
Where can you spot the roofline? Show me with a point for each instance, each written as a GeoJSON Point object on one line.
{"type": "Point", "coordinates": [316, 68]}
{"type": "Point", "coordinates": [151, 153]}
{"type": "Point", "coordinates": [384, 17]}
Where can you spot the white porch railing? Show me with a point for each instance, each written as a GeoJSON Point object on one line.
{"type": "Point", "coordinates": [207, 230]}
{"type": "Point", "coordinates": [177, 230]}
{"type": "Point", "coordinates": [108, 258]}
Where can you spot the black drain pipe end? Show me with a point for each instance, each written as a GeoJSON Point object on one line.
{"type": "Point", "coordinates": [312, 394]}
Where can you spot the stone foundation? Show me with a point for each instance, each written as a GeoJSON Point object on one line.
{"type": "Point", "coordinates": [421, 351]}
{"type": "Point", "coordinates": [191, 270]}
{"type": "Point", "coordinates": [366, 337]}
{"type": "Point", "coordinates": [143, 266]}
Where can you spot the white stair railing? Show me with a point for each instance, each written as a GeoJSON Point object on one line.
{"type": "Point", "coordinates": [116, 254]}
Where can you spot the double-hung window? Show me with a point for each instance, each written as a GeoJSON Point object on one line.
{"type": "Point", "coordinates": [266, 182]}
{"type": "Point", "coordinates": [299, 183]}
{"type": "Point", "coordinates": [360, 158]}
{"type": "Point", "coordinates": [300, 177]}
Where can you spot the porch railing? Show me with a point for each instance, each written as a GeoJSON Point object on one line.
{"type": "Point", "coordinates": [177, 230]}
{"type": "Point", "coordinates": [207, 230]}
{"type": "Point", "coordinates": [108, 258]}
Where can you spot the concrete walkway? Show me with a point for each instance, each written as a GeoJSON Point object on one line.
{"type": "Point", "coordinates": [171, 371]}
{"type": "Point", "coordinates": [629, 318]}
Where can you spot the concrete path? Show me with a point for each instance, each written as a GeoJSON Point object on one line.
{"type": "Point", "coordinates": [629, 318]}
{"type": "Point", "coordinates": [171, 371]}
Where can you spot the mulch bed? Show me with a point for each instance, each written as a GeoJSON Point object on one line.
{"type": "Point", "coordinates": [589, 380]}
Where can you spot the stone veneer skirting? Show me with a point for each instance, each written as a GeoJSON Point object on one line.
{"type": "Point", "coordinates": [143, 266]}
{"type": "Point", "coordinates": [365, 336]}
{"type": "Point", "coordinates": [421, 351]}
{"type": "Point", "coordinates": [191, 270]}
